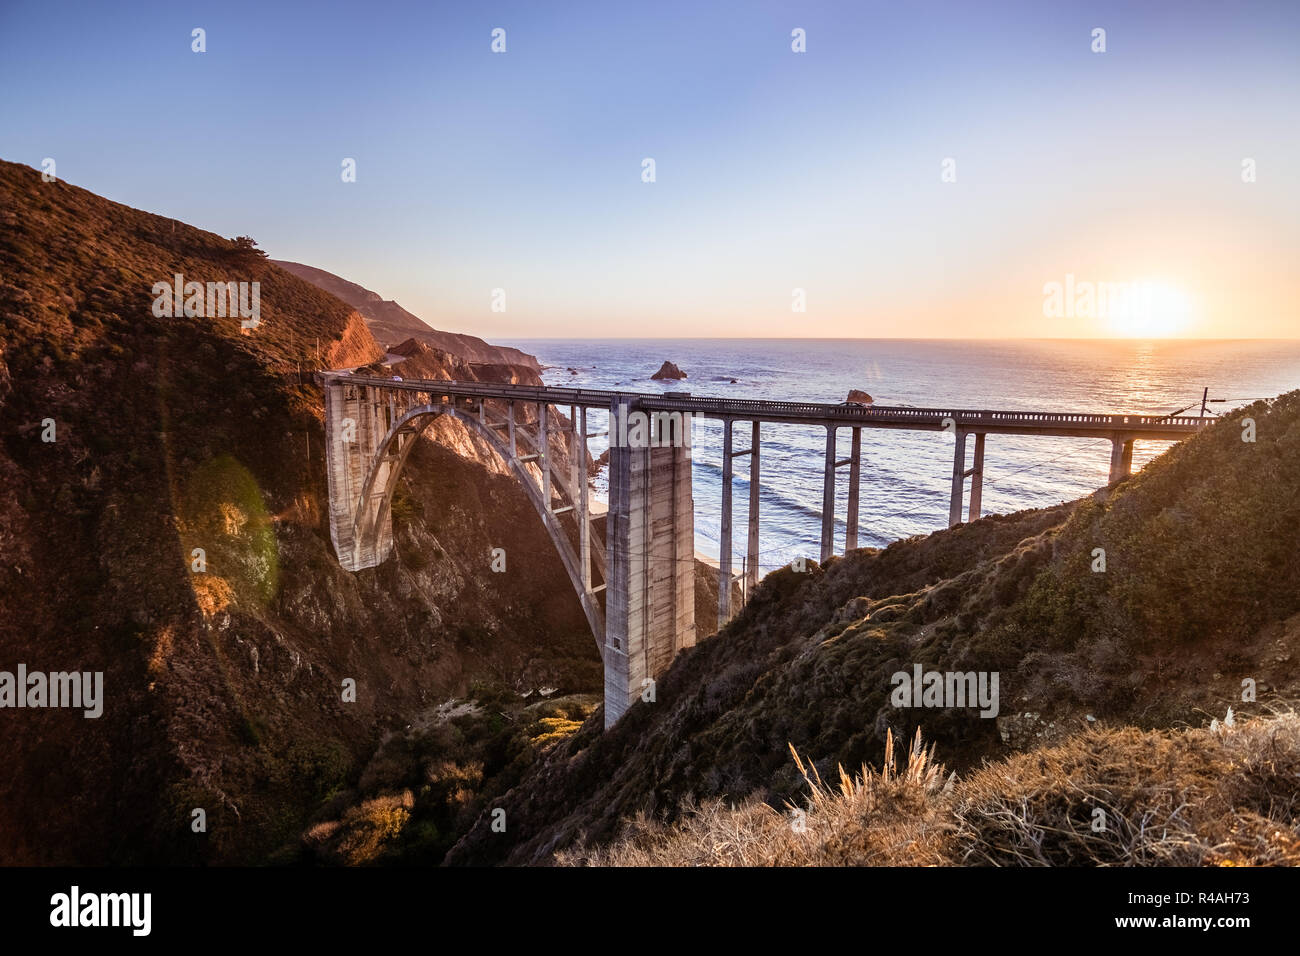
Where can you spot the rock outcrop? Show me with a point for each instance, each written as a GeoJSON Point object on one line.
{"type": "Point", "coordinates": [354, 347]}
{"type": "Point", "coordinates": [668, 371]}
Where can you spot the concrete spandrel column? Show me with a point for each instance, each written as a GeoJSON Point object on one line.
{"type": "Point", "coordinates": [543, 454]}
{"type": "Point", "coordinates": [617, 568]}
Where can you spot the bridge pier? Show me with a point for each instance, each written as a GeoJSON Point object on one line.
{"type": "Point", "coordinates": [751, 551]}
{"type": "Point", "coordinates": [828, 497]}
{"type": "Point", "coordinates": [958, 478]}
{"type": "Point", "coordinates": [977, 479]}
{"type": "Point", "coordinates": [650, 542]}
{"type": "Point", "coordinates": [584, 511]}
{"type": "Point", "coordinates": [855, 473]}
{"type": "Point", "coordinates": [725, 575]}
{"type": "Point", "coordinates": [1121, 457]}
{"type": "Point", "coordinates": [724, 534]}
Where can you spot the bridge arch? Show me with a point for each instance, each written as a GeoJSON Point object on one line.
{"type": "Point", "coordinates": [371, 519]}
{"type": "Point", "coordinates": [643, 611]}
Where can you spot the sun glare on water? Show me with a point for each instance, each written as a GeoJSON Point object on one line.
{"type": "Point", "coordinates": [1152, 309]}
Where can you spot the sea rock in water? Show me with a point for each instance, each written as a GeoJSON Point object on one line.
{"type": "Point", "coordinates": [857, 395]}
{"type": "Point", "coordinates": [668, 370]}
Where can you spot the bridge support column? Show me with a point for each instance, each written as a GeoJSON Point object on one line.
{"type": "Point", "coordinates": [724, 535]}
{"type": "Point", "coordinates": [1121, 457]}
{"type": "Point", "coordinates": [584, 511]}
{"type": "Point", "coordinates": [650, 541]}
{"type": "Point", "coordinates": [751, 551]}
{"type": "Point", "coordinates": [828, 497]}
{"type": "Point", "coordinates": [355, 426]}
{"type": "Point", "coordinates": [977, 479]}
{"type": "Point", "coordinates": [958, 478]}
{"type": "Point", "coordinates": [543, 453]}
{"type": "Point", "coordinates": [855, 472]}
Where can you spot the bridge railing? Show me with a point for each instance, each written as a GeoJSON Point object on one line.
{"type": "Point", "coordinates": [757, 408]}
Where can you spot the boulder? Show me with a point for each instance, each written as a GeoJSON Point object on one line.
{"type": "Point", "coordinates": [859, 396]}
{"type": "Point", "coordinates": [668, 370]}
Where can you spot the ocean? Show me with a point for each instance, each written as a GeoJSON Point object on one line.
{"type": "Point", "coordinates": [906, 476]}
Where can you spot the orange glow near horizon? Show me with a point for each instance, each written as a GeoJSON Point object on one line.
{"type": "Point", "coordinates": [1159, 309]}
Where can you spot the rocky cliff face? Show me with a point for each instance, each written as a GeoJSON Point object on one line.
{"type": "Point", "coordinates": [354, 347]}
{"type": "Point", "coordinates": [170, 535]}
{"type": "Point", "coordinates": [390, 323]}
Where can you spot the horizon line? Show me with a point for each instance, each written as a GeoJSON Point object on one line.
{"type": "Point", "coordinates": [881, 338]}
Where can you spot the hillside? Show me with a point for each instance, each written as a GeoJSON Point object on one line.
{"type": "Point", "coordinates": [1201, 591]}
{"type": "Point", "coordinates": [223, 685]}
{"type": "Point", "coordinates": [390, 323]}
{"type": "Point", "coordinates": [1224, 795]}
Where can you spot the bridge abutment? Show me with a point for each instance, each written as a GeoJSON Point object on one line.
{"type": "Point", "coordinates": [356, 423]}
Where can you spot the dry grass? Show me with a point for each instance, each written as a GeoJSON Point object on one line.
{"type": "Point", "coordinates": [1225, 796]}
{"type": "Point", "coordinates": [887, 818]}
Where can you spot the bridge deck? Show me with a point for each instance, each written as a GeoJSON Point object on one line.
{"type": "Point", "coordinates": [647, 611]}
{"type": "Point", "coordinates": [1077, 424]}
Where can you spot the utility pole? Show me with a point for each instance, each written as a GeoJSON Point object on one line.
{"type": "Point", "coordinates": [1205, 397]}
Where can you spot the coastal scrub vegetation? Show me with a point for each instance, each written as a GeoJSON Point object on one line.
{"type": "Point", "coordinates": [1198, 610]}
{"type": "Point", "coordinates": [1195, 797]}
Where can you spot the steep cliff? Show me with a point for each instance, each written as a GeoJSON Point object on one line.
{"type": "Point", "coordinates": [355, 345]}
{"type": "Point", "coordinates": [169, 534]}
{"type": "Point", "coordinates": [390, 323]}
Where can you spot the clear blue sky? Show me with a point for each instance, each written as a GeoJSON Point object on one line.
{"type": "Point", "coordinates": [775, 170]}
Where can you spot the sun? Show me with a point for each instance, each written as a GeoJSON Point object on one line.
{"type": "Point", "coordinates": [1152, 308]}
